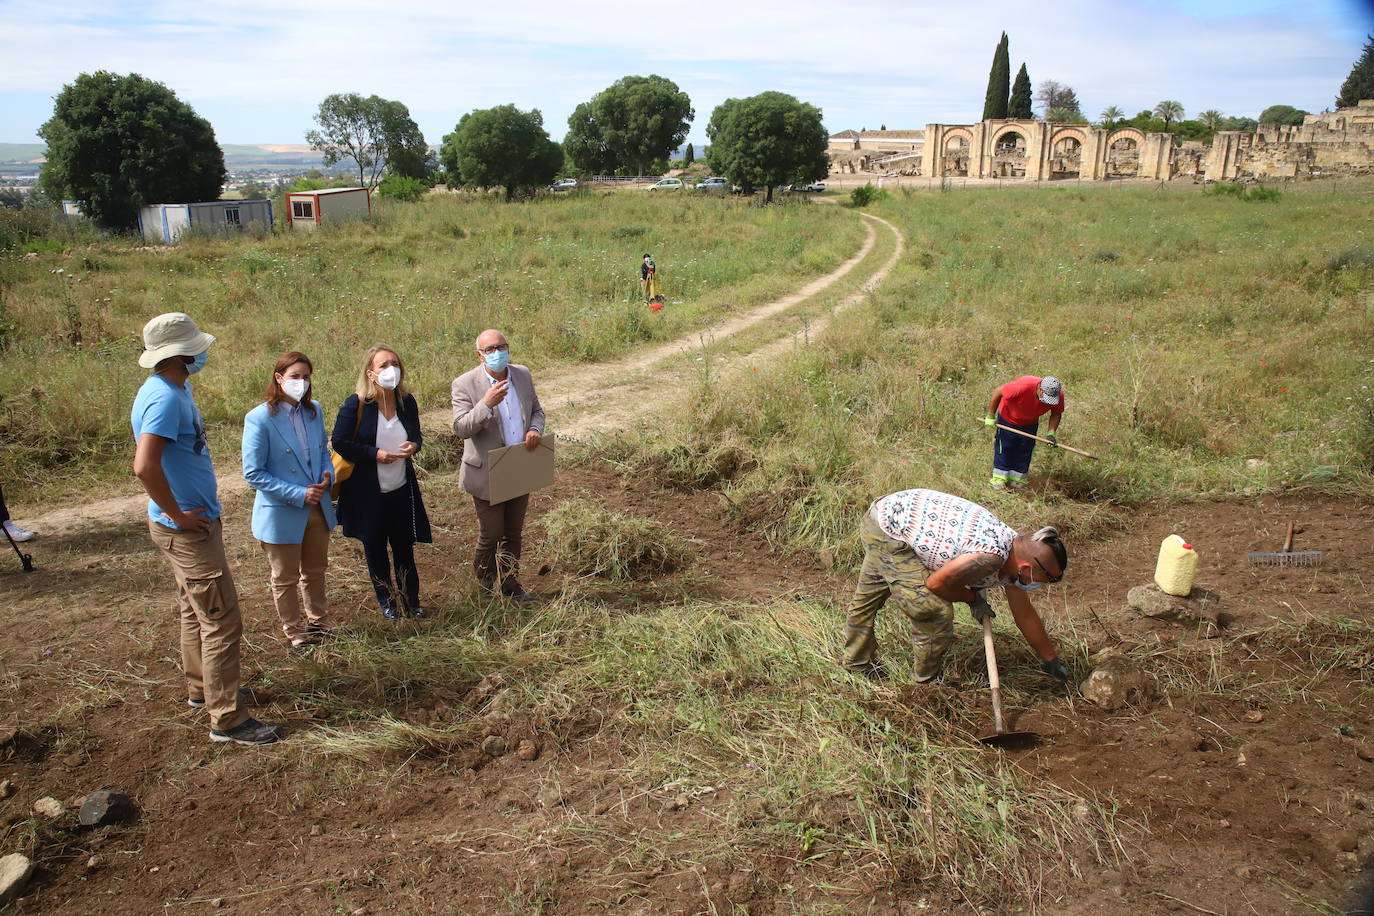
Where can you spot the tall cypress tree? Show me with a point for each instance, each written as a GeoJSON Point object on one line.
{"type": "Point", "coordinates": [999, 81]}
{"type": "Point", "coordinates": [1020, 105]}
{"type": "Point", "coordinates": [1360, 83]}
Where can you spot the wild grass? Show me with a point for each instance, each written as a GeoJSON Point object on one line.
{"type": "Point", "coordinates": [560, 275]}
{"type": "Point", "coordinates": [1209, 351]}
{"type": "Point", "coordinates": [588, 539]}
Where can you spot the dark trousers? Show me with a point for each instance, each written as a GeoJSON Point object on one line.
{"type": "Point", "coordinates": [500, 528]}
{"type": "Point", "coordinates": [397, 527]}
{"type": "Point", "coordinates": [1011, 454]}
{"type": "Point", "coordinates": [4, 512]}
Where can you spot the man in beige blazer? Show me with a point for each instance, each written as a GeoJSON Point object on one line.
{"type": "Point", "coordinates": [494, 405]}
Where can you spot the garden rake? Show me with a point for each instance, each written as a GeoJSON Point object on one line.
{"type": "Point", "coordinates": [1288, 556]}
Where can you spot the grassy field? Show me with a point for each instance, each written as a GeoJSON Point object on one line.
{"type": "Point", "coordinates": [562, 274]}
{"type": "Point", "coordinates": [1210, 348]}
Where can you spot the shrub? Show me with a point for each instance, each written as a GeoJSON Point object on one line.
{"type": "Point", "coordinates": [589, 539]}
{"type": "Point", "coordinates": [1355, 257]}
{"type": "Point", "coordinates": [399, 187]}
{"type": "Point", "coordinates": [862, 197]}
{"type": "Point", "coordinates": [1240, 192]}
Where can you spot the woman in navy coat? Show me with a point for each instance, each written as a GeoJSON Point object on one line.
{"type": "Point", "coordinates": [378, 429]}
{"type": "Point", "coordinates": [286, 460]}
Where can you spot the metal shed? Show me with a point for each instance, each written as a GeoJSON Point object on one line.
{"type": "Point", "coordinates": [166, 223]}
{"type": "Point", "coordinates": [309, 209]}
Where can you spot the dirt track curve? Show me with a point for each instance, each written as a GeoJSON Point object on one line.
{"type": "Point", "coordinates": [598, 396]}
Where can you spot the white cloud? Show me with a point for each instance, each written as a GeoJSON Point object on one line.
{"type": "Point", "coordinates": [257, 69]}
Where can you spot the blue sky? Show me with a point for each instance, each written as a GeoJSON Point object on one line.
{"type": "Point", "coordinates": [257, 69]}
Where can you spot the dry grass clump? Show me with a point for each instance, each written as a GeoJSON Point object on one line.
{"type": "Point", "coordinates": [588, 539]}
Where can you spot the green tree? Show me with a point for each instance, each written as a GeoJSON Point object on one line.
{"type": "Point", "coordinates": [1210, 118]}
{"type": "Point", "coordinates": [1065, 116]}
{"type": "Point", "coordinates": [402, 187]}
{"type": "Point", "coordinates": [1360, 83]}
{"type": "Point", "coordinates": [1020, 104]}
{"type": "Point", "coordinates": [767, 140]}
{"type": "Point", "coordinates": [999, 82]}
{"type": "Point", "coordinates": [117, 143]}
{"type": "Point", "coordinates": [372, 132]}
{"type": "Point", "coordinates": [1282, 114]}
{"type": "Point", "coordinates": [632, 122]}
{"type": "Point", "coordinates": [689, 156]}
{"type": "Point", "coordinates": [504, 147]}
{"type": "Point", "coordinates": [1169, 111]}
{"type": "Point", "coordinates": [1111, 115]}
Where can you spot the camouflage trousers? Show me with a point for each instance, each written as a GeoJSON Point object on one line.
{"type": "Point", "coordinates": [892, 569]}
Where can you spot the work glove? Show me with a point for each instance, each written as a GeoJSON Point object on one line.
{"type": "Point", "coordinates": [990, 421]}
{"type": "Point", "coordinates": [1054, 440]}
{"type": "Point", "coordinates": [980, 609]}
{"type": "Point", "coordinates": [1055, 669]}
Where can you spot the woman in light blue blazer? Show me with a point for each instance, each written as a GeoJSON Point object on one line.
{"type": "Point", "coordinates": [286, 459]}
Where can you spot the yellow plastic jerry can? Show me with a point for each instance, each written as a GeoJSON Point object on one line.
{"type": "Point", "coordinates": [1176, 567]}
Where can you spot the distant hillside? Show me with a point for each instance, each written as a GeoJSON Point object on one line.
{"type": "Point", "coordinates": [236, 155]}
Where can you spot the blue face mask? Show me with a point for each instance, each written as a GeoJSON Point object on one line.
{"type": "Point", "coordinates": [1029, 588]}
{"type": "Point", "coordinates": [198, 363]}
{"type": "Point", "coordinates": [497, 360]}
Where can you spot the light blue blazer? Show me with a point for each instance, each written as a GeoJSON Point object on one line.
{"type": "Point", "coordinates": [273, 465]}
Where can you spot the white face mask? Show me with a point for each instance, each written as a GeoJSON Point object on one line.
{"type": "Point", "coordinates": [389, 377]}
{"type": "Point", "coordinates": [295, 388]}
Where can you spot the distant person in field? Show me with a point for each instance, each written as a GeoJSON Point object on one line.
{"type": "Point", "coordinates": [1019, 404]}
{"type": "Point", "coordinates": [925, 550]}
{"type": "Point", "coordinates": [15, 532]}
{"type": "Point", "coordinates": [286, 460]}
{"type": "Point", "coordinates": [495, 405]}
{"type": "Point", "coordinates": [172, 461]}
{"type": "Point", "coordinates": [378, 429]}
{"type": "Point", "coordinates": [648, 278]}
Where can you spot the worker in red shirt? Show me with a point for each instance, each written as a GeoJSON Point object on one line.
{"type": "Point", "coordinates": [1020, 404]}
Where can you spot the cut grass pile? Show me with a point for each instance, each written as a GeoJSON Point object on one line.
{"type": "Point", "coordinates": [588, 539]}
{"type": "Point", "coordinates": [560, 275]}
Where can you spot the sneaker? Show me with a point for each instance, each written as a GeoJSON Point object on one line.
{"type": "Point", "coordinates": [305, 643]}
{"type": "Point", "coordinates": [418, 611]}
{"type": "Point", "coordinates": [517, 593]}
{"type": "Point", "coordinates": [999, 483]}
{"type": "Point", "coordinates": [874, 671]}
{"type": "Point", "coordinates": [250, 732]}
{"type": "Point", "coordinates": [319, 630]}
{"type": "Point", "coordinates": [247, 697]}
{"type": "Point", "coordinates": [389, 611]}
{"type": "Point", "coordinates": [1016, 484]}
{"type": "Point", "coordinates": [16, 533]}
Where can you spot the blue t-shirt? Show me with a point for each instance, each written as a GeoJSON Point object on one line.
{"type": "Point", "coordinates": [169, 411]}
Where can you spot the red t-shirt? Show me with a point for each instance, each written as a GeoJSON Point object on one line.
{"type": "Point", "coordinates": [1021, 406]}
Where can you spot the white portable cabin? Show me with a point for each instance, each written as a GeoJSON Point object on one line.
{"type": "Point", "coordinates": [309, 209]}
{"type": "Point", "coordinates": [166, 223]}
{"type": "Point", "coordinates": [72, 208]}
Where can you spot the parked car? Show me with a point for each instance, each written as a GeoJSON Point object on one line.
{"type": "Point", "coordinates": [813, 186]}
{"type": "Point", "coordinates": [563, 184]}
{"type": "Point", "coordinates": [713, 185]}
{"type": "Point", "coordinates": [666, 184]}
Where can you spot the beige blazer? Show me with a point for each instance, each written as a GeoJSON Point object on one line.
{"type": "Point", "coordinates": [480, 425]}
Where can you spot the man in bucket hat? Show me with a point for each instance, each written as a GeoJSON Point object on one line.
{"type": "Point", "coordinates": [172, 461]}
{"type": "Point", "coordinates": [1019, 404]}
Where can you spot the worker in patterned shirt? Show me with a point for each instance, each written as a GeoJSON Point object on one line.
{"type": "Point", "coordinates": [926, 550]}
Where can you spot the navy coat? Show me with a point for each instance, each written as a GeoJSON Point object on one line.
{"type": "Point", "coordinates": [360, 496]}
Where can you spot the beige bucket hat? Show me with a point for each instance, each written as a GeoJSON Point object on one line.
{"type": "Point", "coordinates": [172, 334]}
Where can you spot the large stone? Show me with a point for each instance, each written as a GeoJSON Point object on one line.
{"type": "Point", "coordinates": [1117, 683]}
{"type": "Point", "coordinates": [105, 807]}
{"type": "Point", "coordinates": [15, 870]}
{"type": "Point", "coordinates": [1199, 604]}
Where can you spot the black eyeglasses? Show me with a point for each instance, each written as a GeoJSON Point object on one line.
{"type": "Point", "coordinates": [486, 350]}
{"type": "Point", "coordinates": [1048, 575]}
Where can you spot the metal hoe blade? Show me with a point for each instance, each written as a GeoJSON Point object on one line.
{"type": "Point", "coordinates": [1001, 738]}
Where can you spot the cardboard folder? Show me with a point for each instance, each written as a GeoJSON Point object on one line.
{"type": "Point", "coordinates": [515, 470]}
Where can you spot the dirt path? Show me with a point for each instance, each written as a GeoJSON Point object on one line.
{"type": "Point", "coordinates": [613, 392]}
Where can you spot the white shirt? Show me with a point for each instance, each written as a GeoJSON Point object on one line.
{"type": "Point", "coordinates": [939, 528]}
{"type": "Point", "coordinates": [509, 412]}
{"type": "Point", "coordinates": [391, 435]}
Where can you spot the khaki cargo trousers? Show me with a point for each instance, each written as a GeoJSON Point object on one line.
{"type": "Point", "coordinates": [892, 569]}
{"type": "Point", "coordinates": [211, 625]}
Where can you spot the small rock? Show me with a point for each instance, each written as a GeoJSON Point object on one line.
{"type": "Point", "coordinates": [154, 870]}
{"type": "Point", "coordinates": [1362, 751]}
{"type": "Point", "coordinates": [106, 807]}
{"type": "Point", "coordinates": [1224, 824]}
{"type": "Point", "coordinates": [217, 902]}
{"type": "Point", "coordinates": [1117, 683]}
{"type": "Point", "coordinates": [1081, 811]}
{"type": "Point", "coordinates": [494, 745]}
{"type": "Point", "coordinates": [316, 830]}
{"type": "Point", "coordinates": [1199, 605]}
{"type": "Point", "coordinates": [1345, 840]}
{"type": "Point", "coordinates": [1245, 871]}
{"type": "Point", "coordinates": [528, 751]}
{"type": "Point", "coordinates": [15, 870]}
{"type": "Point", "coordinates": [1254, 463]}
{"type": "Point", "coordinates": [95, 862]}
{"type": "Point", "coordinates": [826, 558]}
{"type": "Point", "coordinates": [679, 803]}
{"type": "Point", "coordinates": [484, 689]}
{"type": "Point", "coordinates": [1254, 717]}
{"type": "Point", "coordinates": [6, 788]}
{"type": "Point", "coordinates": [74, 760]}
{"type": "Point", "coordinates": [49, 807]}
{"type": "Point", "coordinates": [551, 796]}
